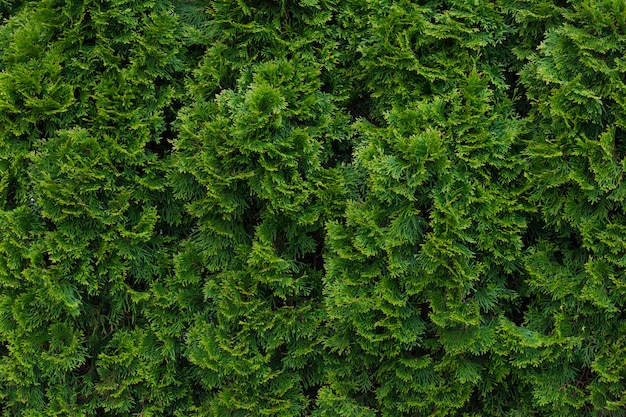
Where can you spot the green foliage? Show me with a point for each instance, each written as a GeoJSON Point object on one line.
{"type": "Point", "coordinates": [312, 208]}
{"type": "Point", "coordinates": [87, 216]}
{"type": "Point", "coordinates": [575, 82]}
{"type": "Point", "coordinates": [257, 157]}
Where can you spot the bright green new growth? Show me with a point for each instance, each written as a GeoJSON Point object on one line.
{"type": "Point", "coordinates": [312, 208]}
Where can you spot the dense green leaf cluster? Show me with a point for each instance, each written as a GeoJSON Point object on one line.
{"type": "Point", "coordinates": [313, 208]}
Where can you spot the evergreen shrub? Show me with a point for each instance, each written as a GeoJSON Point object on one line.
{"type": "Point", "coordinates": [313, 208]}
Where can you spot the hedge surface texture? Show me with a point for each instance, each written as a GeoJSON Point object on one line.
{"type": "Point", "coordinates": [313, 208]}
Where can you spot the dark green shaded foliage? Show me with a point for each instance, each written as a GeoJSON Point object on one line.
{"type": "Point", "coordinates": [8, 8]}
{"type": "Point", "coordinates": [312, 208]}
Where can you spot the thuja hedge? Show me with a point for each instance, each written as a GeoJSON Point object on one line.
{"type": "Point", "coordinates": [313, 208]}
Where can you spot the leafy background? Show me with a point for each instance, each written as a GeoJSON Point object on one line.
{"type": "Point", "coordinates": [312, 208]}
